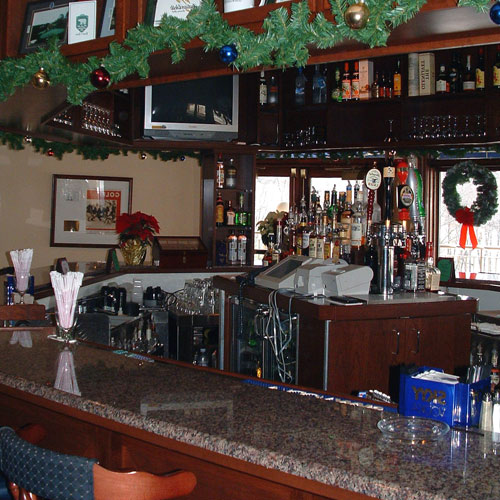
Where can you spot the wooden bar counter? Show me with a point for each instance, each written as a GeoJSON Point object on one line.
{"type": "Point", "coordinates": [242, 441]}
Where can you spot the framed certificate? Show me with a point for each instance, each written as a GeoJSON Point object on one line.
{"type": "Point", "coordinates": [108, 19]}
{"type": "Point", "coordinates": [85, 208]}
{"type": "Point", "coordinates": [156, 9]}
{"type": "Point", "coordinates": [44, 20]}
{"type": "Point", "coordinates": [81, 21]}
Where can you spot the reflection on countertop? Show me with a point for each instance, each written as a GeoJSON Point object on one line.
{"type": "Point", "coordinates": [328, 442]}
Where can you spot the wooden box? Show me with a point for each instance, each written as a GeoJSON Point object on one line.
{"type": "Point", "coordinates": [174, 252]}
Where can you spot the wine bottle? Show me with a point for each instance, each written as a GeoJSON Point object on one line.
{"type": "Point", "coordinates": [454, 74]}
{"type": "Point", "coordinates": [300, 87]}
{"type": "Point", "coordinates": [396, 80]}
{"type": "Point", "coordinates": [442, 85]}
{"type": "Point", "coordinates": [375, 88]}
{"type": "Point", "coordinates": [496, 70]}
{"type": "Point", "coordinates": [480, 70]}
{"type": "Point", "coordinates": [469, 80]}
{"type": "Point", "coordinates": [262, 89]}
{"type": "Point", "coordinates": [272, 92]}
{"type": "Point", "coordinates": [337, 87]}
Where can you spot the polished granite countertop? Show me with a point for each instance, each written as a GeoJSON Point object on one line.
{"type": "Point", "coordinates": [323, 440]}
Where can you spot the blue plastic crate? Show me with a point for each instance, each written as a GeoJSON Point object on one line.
{"type": "Point", "coordinates": [450, 403]}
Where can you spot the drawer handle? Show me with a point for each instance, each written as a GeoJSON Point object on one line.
{"type": "Point", "coordinates": [397, 343]}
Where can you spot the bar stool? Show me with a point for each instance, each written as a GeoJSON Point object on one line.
{"type": "Point", "coordinates": [35, 472]}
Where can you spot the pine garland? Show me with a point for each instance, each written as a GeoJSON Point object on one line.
{"type": "Point", "coordinates": [98, 151]}
{"type": "Point", "coordinates": [284, 41]}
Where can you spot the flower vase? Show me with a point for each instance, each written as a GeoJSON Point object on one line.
{"type": "Point", "coordinates": [133, 251]}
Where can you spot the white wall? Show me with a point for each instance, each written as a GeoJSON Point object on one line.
{"type": "Point", "coordinates": [168, 190]}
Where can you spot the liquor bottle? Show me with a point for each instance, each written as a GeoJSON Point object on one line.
{"type": "Point", "coordinates": [267, 260]}
{"type": "Point", "coordinates": [243, 214]}
{"type": "Point", "coordinates": [388, 178]}
{"type": "Point", "coordinates": [442, 84]}
{"type": "Point", "coordinates": [348, 193]}
{"type": "Point", "coordinates": [300, 87]}
{"type": "Point", "coordinates": [313, 241]}
{"type": "Point", "coordinates": [337, 87]}
{"type": "Point", "coordinates": [496, 70]}
{"type": "Point", "coordinates": [357, 238]}
{"type": "Point", "coordinates": [480, 70]}
{"type": "Point", "coordinates": [301, 228]}
{"type": "Point", "coordinates": [242, 248]}
{"type": "Point", "coordinates": [220, 172]}
{"type": "Point", "coordinates": [279, 246]}
{"type": "Point", "coordinates": [346, 83]}
{"type": "Point", "coordinates": [230, 214]}
{"type": "Point", "coordinates": [355, 82]}
{"type": "Point", "coordinates": [318, 86]}
{"type": "Point", "coordinates": [396, 80]}
{"type": "Point", "coordinates": [454, 74]}
{"type": "Point", "coordinates": [230, 176]}
{"type": "Point", "coordinates": [272, 92]}
{"type": "Point", "coordinates": [328, 244]}
{"type": "Point", "coordinates": [432, 273]}
{"type": "Point", "coordinates": [388, 85]}
{"type": "Point", "coordinates": [320, 241]}
{"type": "Point", "coordinates": [232, 249]}
{"type": "Point", "coordinates": [375, 88]}
{"type": "Point", "coordinates": [346, 220]}
{"type": "Point", "coordinates": [469, 79]}
{"type": "Point", "coordinates": [262, 89]}
{"type": "Point", "coordinates": [332, 211]}
{"type": "Point", "coordinates": [219, 210]}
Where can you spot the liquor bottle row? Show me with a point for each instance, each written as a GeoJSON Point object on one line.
{"type": "Point", "coordinates": [354, 80]}
{"type": "Point", "coordinates": [352, 226]}
{"type": "Point", "coordinates": [233, 250]}
{"type": "Point", "coordinates": [227, 215]}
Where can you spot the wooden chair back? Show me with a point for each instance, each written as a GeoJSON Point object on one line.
{"type": "Point", "coordinates": [107, 484]}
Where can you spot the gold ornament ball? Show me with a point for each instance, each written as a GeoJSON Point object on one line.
{"type": "Point", "coordinates": [40, 80]}
{"type": "Point", "coordinates": [356, 16]}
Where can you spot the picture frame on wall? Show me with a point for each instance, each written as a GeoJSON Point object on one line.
{"type": "Point", "coordinates": [108, 19]}
{"type": "Point", "coordinates": [82, 19]}
{"type": "Point", "coordinates": [42, 22]}
{"type": "Point", "coordinates": [85, 208]}
{"type": "Point", "coordinates": [156, 9]}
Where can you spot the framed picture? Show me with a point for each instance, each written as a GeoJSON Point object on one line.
{"type": "Point", "coordinates": [81, 21]}
{"type": "Point", "coordinates": [44, 20]}
{"type": "Point", "coordinates": [156, 9]}
{"type": "Point", "coordinates": [85, 208]}
{"type": "Point", "coordinates": [108, 19]}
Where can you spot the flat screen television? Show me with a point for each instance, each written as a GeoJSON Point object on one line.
{"type": "Point", "coordinates": [203, 109]}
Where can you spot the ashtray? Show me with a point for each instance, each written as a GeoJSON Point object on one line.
{"type": "Point", "coordinates": [414, 429]}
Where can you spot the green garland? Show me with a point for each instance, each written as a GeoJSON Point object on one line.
{"type": "Point", "coordinates": [89, 152]}
{"type": "Point", "coordinates": [486, 202]}
{"type": "Point", "coordinates": [284, 41]}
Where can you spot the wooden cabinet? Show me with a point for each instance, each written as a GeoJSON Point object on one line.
{"type": "Point", "coordinates": [368, 354]}
{"type": "Point", "coordinates": [347, 349]}
{"type": "Point", "coordinates": [241, 197]}
{"type": "Point", "coordinates": [421, 121]}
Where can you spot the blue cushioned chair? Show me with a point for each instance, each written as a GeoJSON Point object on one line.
{"type": "Point", "coordinates": [35, 472]}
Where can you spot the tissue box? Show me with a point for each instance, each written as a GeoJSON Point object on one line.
{"type": "Point", "coordinates": [455, 404]}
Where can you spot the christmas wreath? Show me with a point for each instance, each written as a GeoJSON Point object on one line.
{"type": "Point", "coordinates": [484, 206]}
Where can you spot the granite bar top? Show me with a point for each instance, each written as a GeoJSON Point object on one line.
{"type": "Point", "coordinates": [329, 442]}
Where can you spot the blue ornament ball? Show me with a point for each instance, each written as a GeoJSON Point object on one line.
{"type": "Point", "coordinates": [495, 13]}
{"type": "Point", "coordinates": [228, 53]}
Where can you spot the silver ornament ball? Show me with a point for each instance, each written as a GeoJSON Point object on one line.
{"type": "Point", "coordinates": [356, 16]}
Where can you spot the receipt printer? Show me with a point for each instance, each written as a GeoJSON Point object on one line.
{"type": "Point", "coordinates": [308, 278]}
{"type": "Point", "coordinates": [348, 280]}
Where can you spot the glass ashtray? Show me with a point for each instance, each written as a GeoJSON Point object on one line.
{"type": "Point", "coordinates": [414, 429]}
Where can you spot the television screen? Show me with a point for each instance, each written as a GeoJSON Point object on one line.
{"type": "Point", "coordinates": [203, 109]}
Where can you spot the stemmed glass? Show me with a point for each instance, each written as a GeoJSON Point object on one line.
{"type": "Point", "coordinates": [22, 281]}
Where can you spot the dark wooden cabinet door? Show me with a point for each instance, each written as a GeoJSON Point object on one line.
{"type": "Point", "coordinates": [364, 355]}
{"type": "Point", "coordinates": [440, 342]}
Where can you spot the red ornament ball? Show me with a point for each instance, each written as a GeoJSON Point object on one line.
{"type": "Point", "coordinates": [50, 152]}
{"type": "Point", "coordinates": [100, 78]}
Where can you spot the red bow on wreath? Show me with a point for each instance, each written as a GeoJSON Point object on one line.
{"type": "Point", "coordinates": [465, 217]}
